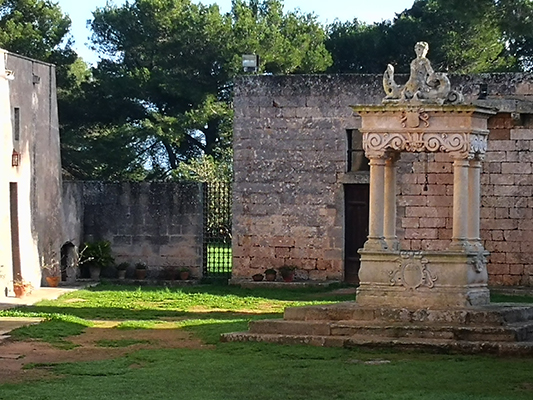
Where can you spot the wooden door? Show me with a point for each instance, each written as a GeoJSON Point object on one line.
{"type": "Point", "coordinates": [15, 243]}
{"type": "Point", "coordinates": [356, 199]}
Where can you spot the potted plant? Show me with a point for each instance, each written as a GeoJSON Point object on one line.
{"type": "Point", "coordinates": [52, 272]}
{"type": "Point", "coordinates": [121, 269]}
{"type": "Point", "coordinates": [97, 255]}
{"type": "Point", "coordinates": [257, 277]}
{"type": "Point", "coordinates": [21, 287]}
{"type": "Point", "coordinates": [184, 273]}
{"type": "Point", "coordinates": [140, 270]}
{"type": "Point", "coordinates": [287, 273]}
{"type": "Point", "coordinates": [270, 274]}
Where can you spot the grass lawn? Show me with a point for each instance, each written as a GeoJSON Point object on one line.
{"type": "Point", "coordinates": [219, 258]}
{"type": "Point", "coordinates": [242, 371]}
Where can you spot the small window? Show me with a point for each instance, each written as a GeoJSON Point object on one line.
{"type": "Point", "coordinates": [16, 123]}
{"type": "Point", "coordinates": [355, 157]}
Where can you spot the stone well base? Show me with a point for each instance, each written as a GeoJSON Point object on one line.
{"type": "Point", "coordinates": [505, 329]}
{"type": "Point", "coordinates": [423, 279]}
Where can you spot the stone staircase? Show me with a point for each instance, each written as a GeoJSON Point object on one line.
{"type": "Point", "coordinates": [505, 329]}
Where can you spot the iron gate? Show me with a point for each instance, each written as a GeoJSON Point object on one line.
{"type": "Point", "coordinates": [217, 259]}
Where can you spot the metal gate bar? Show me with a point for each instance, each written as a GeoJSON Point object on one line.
{"type": "Point", "coordinates": [217, 259]}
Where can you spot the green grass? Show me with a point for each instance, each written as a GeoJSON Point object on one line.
{"type": "Point", "coordinates": [219, 258]}
{"type": "Point", "coordinates": [247, 370]}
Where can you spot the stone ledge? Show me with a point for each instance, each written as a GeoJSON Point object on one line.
{"type": "Point", "coordinates": [517, 349]}
{"type": "Point", "coordinates": [512, 290]}
{"type": "Point", "coordinates": [248, 284]}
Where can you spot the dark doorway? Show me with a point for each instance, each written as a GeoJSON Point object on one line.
{"type": "Point", "coordinates": [14, 216]}
{"type": "Point", "coordinates": [356, 198]}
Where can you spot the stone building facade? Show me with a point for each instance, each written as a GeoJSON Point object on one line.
{"type": "Point", "coordinates": [30, 182]}
{"type": "Point", "coordinates": [301, 180]}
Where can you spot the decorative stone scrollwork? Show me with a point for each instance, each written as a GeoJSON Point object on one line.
{"type": "Point", "coordinates": [412, 272]}
{"type": "Point", "coordinates": [460, 145]}
{"type": "Point", "coordinates": [479, 262]}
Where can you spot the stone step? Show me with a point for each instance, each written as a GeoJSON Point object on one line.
{"type": "Point", "coordinates": [517, 332]}
{"type": "Point", "coordinates": [522, 331]}
{"type": "Point", "coordinates": [496, 314]}
{"type": "Point", "coordinates": [434, 345]}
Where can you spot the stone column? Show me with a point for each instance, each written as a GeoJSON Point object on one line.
{"type": "Point", "coordinates": [389, 223]}
{"type": "Point", "coordinates": [377, 202]}
{"type": "Point", "coordinates": [474, 203]}
{"type": "Point", "coordinates": [460, 204]}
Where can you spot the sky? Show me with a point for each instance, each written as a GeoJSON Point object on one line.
{"type": "Point", "coordinates": [327, 11]}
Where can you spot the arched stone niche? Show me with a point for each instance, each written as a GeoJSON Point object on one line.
{"type": "Point", "coordinates": [389, 275]}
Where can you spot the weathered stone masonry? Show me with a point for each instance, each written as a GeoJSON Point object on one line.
{"type": "Point", "coordinates": [160, 224]}
{"type": "Point", "coordinates": [290, 168]}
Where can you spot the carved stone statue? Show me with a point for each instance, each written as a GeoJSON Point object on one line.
{"type": "Point", "coordinates": [424, 84]}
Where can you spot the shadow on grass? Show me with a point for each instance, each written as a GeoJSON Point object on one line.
{"type": "Point", "coordinates": [120, 314]}
{"type": "Point", "coordinates": [289, 293]}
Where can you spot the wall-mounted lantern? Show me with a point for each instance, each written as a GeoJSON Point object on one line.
{"type": "Point", "coordinates": [250, 63]}
{"type": "Point", "coordinates": [15, 158]}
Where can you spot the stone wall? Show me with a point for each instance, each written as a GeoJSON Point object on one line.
{"type": "Point", "coordinates": [158, 223]}
{"type": "Point", "coordinates": [290, 168]}
{"type": "Point", "coordinates": [29, 125]}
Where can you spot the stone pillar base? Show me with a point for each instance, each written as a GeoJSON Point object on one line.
{"type": "Point", "coordinates": [423, 279]}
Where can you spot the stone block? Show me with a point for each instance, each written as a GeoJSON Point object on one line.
{"type": "Point", "coordinates": [516, 236]}
{"type": "Point", "coordinates": [435, 245]}
{"type": "Point", "coordinates": [421, 233]}
{"type": "Point", "coordinates": [410, 222]}
{"type": "Point", "coordinates": [282, 252]}
{"type": "Point", "coordinates": [516, 168]}
{"type": "Point", "coordinates": [515, 191]}
{"type": "Point", "coordinates": [497, 235]}
{"type": "Point", "coordinates": [517, 258]}
{"type": "Point", "coordinates": [499, 134]}
{"type": "Point", "coordinates": [493, 167]}
{"type": "Point", "coordinates": [500, 224]}
{"type": "Point", "coordinates": [440, 167]}
{"type": "Point", "coordinates": [498, 269]}
{"type": "Point", "coordinates": [439, 201]}
{"type": "Point", "coordinates": [323, 265]}
{"type": "Point", "coordinates": [440, 179]}
{"type": "Point", "coordinates": [511, 280]}
{"type": "Point", "coordinates": [521, 134]}
{"type": "Point", "coordinates": [523, 145]}
{"type": "Point", "coordinates": [497, 258]}
{"type": "Point", "coordinates": [526, 247]}
{"type": "Point", "coordinates": [318, 275]}
{"type": "Point", "coordinates": [502, 179]}
{"type": "Point", "coordinates": [516, 269]}
{"type": "Point", "coordinates": [525, 225]}
{"type": "Point", "coordinates": [499, 145]}
{"type": "Point", "coordinates": [432, 222]}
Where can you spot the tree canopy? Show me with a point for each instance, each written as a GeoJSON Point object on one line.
{"type": "Point", "coordinates": [473, 36]}
{"type": "Point", "coordinates": [159, 103]}
{"type": "Point", "coordinates": [165, 75]}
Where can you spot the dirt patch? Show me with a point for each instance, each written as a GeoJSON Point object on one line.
{"type": "Point", "coordinates": [14, 355]}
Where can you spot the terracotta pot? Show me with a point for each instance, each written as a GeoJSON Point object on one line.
{"type": "Point", "coordinates": [288, 278]}
{"type": "Point", "coordinates": [121, 274]}
{"type": "Point", "coordinates": [53, 281]}
{"type": "Point", "coordinates": [20, 290]}
{"type": "Point", "coordinates": [140, 273]}
{"type": "Point", "coordinates": [184, 275]}
{"type": "Point", "coordinates": [257, 277]}
{"type": "Point", "coordinates": [270, 277]}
